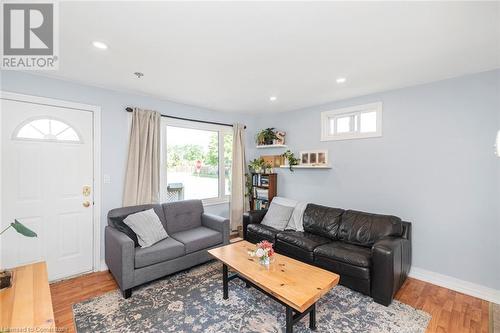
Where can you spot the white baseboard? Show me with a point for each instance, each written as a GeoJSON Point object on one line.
{"type": "Point", "coordinates": [103, 266]}
{"type": "Point", "coordinates": [465, 287]}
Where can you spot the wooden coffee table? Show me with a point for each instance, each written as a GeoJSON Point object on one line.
{"type": "Point", "coordinates": [294, 284]}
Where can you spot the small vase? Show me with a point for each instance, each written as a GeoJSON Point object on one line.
{"type": "Point", "coordinates": [265, 261]}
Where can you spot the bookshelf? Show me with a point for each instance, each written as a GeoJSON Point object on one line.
{"type": "Point", "coordinates": [264, 189]}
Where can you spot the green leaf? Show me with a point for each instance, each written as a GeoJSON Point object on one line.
{"type": "Point", "coordinates": [22, 229]}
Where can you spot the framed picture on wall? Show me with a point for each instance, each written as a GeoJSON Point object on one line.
{"type": "Point", "coordinates": [304, 158]}
{"type": "Point", "coordinates": [314, 157]}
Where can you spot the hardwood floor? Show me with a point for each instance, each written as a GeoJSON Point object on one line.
{"type": "Point", "coordinates": [71, 291]}
{"type": "Point", "coordinates": [451, 311]}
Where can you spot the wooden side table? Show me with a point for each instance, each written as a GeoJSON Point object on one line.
{"type": "Point", "coordinates": [27, 304]}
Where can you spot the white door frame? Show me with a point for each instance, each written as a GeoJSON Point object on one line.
{"type": "Point", "coordinates": [96, 116]}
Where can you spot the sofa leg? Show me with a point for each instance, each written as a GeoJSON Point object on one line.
{"type": "Point", "coordinates": [385, 302]}
{"type": "Point", "coordinates": [127, 293]}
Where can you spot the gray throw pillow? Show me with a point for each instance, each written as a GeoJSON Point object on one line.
{"type": "Point", "coordinates": [147, 226]}
{"type": "Point", "coordinates": [277, 216]}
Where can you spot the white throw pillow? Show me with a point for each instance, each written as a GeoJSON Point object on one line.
{"type": "Point", "coordinates": [277, 216]}
{"type": "Point", "coordinates": [285, 201]}
{"type": "Point", "coordinates": [297, 220]}
{"type": "Point", "coordinates": [147, 226]}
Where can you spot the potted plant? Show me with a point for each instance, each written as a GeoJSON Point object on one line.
{"type": "Point", "coordinates": [268, 168]}
{"type": "Point", "coordinates": [257, 165]}
{"type": "Point", "coordinates": [6, 276]}
{"type": "Point", "coordinates": [266, 136]}
{"type": "Point", "coordinates": [292, 160]}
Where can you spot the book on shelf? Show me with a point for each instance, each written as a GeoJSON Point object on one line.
{"type": "Point", "coordinates": [260, 180]}
{"type": "Point", "coordinates": [261, 194]}
{"type": "Point", "coordinates": [260, 204]}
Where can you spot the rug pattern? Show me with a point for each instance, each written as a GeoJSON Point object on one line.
{"type": "Point", "coordinates": [191, 301]}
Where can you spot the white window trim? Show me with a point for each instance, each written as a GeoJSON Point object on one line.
{"type": "Point", "coordinates": [352, 110]}
{"type": "Point", "coordinates": [165, 121]}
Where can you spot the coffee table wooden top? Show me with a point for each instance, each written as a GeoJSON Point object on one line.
{"type": "Point", "coordinates": [295, 283]}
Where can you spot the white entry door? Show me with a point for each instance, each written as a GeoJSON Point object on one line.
{"type": "Point", "coordinates": [47, 184]}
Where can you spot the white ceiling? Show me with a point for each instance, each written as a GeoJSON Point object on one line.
{"type": "Point", "coordinates": [232, 56]}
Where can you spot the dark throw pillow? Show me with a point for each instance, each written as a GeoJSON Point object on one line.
{"type": "Point", "coordinates": [118, 224]}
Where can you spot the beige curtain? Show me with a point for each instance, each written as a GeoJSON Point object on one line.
{"type": "Point", "coordinates": [142, 180]}
{"type": "Point", "coordinates": [238, 177]}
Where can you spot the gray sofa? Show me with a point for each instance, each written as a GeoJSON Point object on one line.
{"type": "Point", "coordinates": [191, 233]}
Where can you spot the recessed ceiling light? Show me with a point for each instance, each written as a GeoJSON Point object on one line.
{"type": "Point", "coordinates": [273, 98]}
{"type": "Point", "coordinates": [341, 80]}
{"type": "Point", "coordinates": [100, 45]}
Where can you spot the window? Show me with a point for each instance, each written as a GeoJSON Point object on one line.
{"type": "Point", "coordinates": [357, 122]}
{"type": "Point", "coordinates": [46, 129]}
{"type": "Point", "coordinates": [196, 161]}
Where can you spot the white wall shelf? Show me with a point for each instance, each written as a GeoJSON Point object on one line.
{"type": "Point", "coordinates": [270, 146]}
{"type": "Point", "coordinates": [307, 167]}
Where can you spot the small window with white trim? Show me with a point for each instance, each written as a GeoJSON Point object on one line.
{"type": "Point", "coordinates": [355, 122]}
{"type": "Point", "coordinates": [46, 129]}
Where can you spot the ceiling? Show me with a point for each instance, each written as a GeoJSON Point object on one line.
{"type": "Point", "coordinates": [232, 56]}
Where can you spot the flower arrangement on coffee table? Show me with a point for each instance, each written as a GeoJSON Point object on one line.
{"type": "Point", "coordinates": [264, 252]}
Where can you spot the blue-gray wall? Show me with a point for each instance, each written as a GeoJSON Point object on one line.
{"type": "Point", "coordinates": [114, 124]}
{"type": "Point", "coordinates": [433, 166]}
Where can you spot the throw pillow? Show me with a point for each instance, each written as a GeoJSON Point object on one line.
{"type": "Point", "coordinates": [147, 226]}
{"type": "Point", "coordinates": [297, 218]}
{"type": "Point", "coordinates": [277, 216]}
{"type": "Point", "coordinates": [117, 223]}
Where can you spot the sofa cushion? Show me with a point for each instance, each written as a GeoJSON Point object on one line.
{"type": "Point", "coordinates": [355, 277]}
{"type": "Point", "coordinates": [164, 250]}
{"type": "Point", "coordinates": [117, 215]}
{"type": "Point", "coordinates": [365, 229]}
{"type": "Point", "coordinates": [147, 226]}
{"type": "Point", "coordinates": [299, 245]}
{"type": "Point", "coordinates": [198, 238]}
{"type": "Point", "coordinates": [277, 216]}
{"type": "Point", "coordinates": [182, 215]}
{"type": "Point", "coordinates": [259, 232]}
{"type": "Point", "coordinates": [344, 252]}
{"type": "Point", "coordinates": [296, 222]}
{"type": "Point", "coordinates": [117, 223]}
{"type": "Point", "coordinates": [323, 221]}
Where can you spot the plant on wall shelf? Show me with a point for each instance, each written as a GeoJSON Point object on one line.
{"type": "Point", "coordinates": [257, 165]}
{"type": "Point", "coordinates": [292, 160]}
{"type": "Point", "coordinates": [5, 276]}
{"type": "Point", "coordinates": [266, 136]}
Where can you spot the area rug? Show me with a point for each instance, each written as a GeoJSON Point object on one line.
{"type": "Point", "coordinates": [191, 301]}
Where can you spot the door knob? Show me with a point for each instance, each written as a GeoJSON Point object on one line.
{"type": "Point", "coordinates": [86, 203]}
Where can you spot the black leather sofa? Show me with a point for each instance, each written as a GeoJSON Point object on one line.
{"type": "Point", "coordinates": [370, 252]}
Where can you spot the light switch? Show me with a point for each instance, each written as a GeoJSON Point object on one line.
{"type": "Point", "coordinates": [107, 179]}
